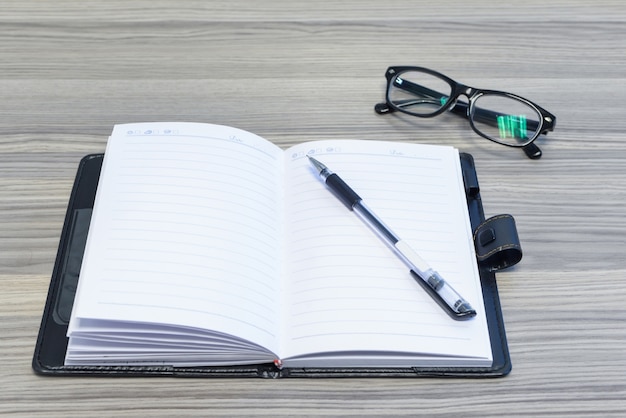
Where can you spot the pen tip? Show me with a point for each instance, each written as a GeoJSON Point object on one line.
{"type": "Point", "coordinates": [319, 166]}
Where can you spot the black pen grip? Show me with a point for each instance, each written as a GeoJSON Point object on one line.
{"type": "Point", "coordinates": [343, 191]}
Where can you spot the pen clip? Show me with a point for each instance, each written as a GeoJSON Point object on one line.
{"type": "Point", "coordinates": [459, 316]}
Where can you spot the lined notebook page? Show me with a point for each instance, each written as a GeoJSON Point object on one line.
{"type": "Point", "coordinates": [187, 231]}
{"type": "Point", "coordinates": [346, 290]}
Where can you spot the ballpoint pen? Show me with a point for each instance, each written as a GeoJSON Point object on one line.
{"type": "Point", "coordinates": [431, 281]}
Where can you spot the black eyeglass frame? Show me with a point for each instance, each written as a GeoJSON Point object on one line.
{"type": "Point", "coordinates": [452, 104]}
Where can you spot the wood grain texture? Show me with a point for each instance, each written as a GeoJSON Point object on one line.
{"type": "Point", "coordinates": [296, 70]}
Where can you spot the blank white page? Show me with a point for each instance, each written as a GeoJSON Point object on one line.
{"type": "Point", "coordinates": [187, 231]}
{"type": "Point", "coordinates": [346, 290]}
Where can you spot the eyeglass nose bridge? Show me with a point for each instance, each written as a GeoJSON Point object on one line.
{"type": "Point", "coordinates": [466, 90]}
{"type": "Point", "coordinates": [461, 108]}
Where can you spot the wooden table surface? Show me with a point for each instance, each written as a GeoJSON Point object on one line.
{"type": "Point", "coordinates": [292, 71]}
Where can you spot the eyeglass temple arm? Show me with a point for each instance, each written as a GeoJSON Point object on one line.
{"type": "Point", "coordinates": [485, 116]}
{"type": "Point", "coordinates": [488, 117]}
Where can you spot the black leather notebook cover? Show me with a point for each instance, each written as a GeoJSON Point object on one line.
{"type": "Point", "coordinates": [52, 341]}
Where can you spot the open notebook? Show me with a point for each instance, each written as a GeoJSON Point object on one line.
{"type": "Point", "coordinates": [210, 247]}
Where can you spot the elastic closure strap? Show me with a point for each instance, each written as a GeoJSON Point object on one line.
{"type": "Point", "coordinates": [497, 243]}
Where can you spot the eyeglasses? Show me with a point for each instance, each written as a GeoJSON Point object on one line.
{"type": "Point", "coordinates": [498, 116]}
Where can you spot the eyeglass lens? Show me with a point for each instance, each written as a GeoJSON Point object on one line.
{"type": "Point", "coordinates": [496, 116]}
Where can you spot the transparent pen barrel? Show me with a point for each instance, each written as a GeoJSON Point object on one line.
{"type": "Point", "coordinates": [447, 293]}
{"type": "Point", "coordinates": [416, 263]}
{"type": "Point", "coordinates": [378, 226]}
